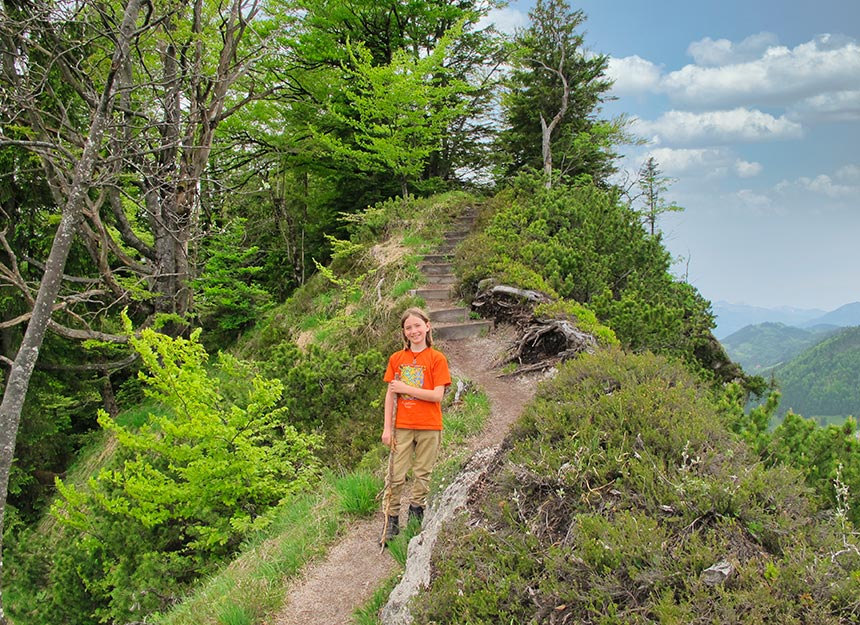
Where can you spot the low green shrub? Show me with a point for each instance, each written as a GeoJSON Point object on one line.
{"type": "Point", "coordinates": [619, 489]}
{"type": "Point", "coordinates": [828, 456]}
{"type": "Point", "coordinates": [335, 392]}
{"type": "Point", "coordinates": [181, 492]}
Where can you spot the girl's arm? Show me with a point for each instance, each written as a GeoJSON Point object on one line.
{"type": "Point", "coordinates": [387, 430]}
{"type": "Point", "coordinates": [424, 394]}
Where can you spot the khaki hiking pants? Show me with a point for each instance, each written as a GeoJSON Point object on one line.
{"type": "Point", "coordinates": [416, 449]}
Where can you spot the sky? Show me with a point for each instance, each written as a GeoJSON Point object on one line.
{"type": "Point", "coordinates": [752, 109]}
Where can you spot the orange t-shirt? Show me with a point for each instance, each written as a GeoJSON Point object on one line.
{"type": "Point", "coordinates": [426, 369]}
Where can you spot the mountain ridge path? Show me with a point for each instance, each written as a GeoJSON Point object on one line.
{"type": "Point", "coordinates": [330, 590]}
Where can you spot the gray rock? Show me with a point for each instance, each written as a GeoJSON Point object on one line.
{"type": "Point", "coordinates": [717, 573]}
{"type": "Point", "coordinates": [416, 575]}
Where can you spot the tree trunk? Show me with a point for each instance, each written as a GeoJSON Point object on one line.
{"type": "Point", "coordinates": [547, 129]}
{"type": "Point", "coordinates": [25, 360]}
{"type": "Point", "coordinates": [546, 151]}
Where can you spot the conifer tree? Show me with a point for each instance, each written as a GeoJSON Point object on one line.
{"type": "Point", "coordinates": [552, 101]}
{"type": "Point", "coordinates": [653, 186]}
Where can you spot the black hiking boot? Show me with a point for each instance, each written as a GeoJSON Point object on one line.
{"type": "Point", "coordinates": [392, 529]}
{"type": "Point", "coordinates": [417, 513]}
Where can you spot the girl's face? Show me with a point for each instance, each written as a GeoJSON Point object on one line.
{"type": "Point", "coordinates": [415, 330]}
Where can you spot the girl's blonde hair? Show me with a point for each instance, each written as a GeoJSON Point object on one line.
{"type": "Point", "coordinates": [415, 312]}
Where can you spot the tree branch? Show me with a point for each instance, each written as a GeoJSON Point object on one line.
{"type": "Point", "coordinates": [91, 366]}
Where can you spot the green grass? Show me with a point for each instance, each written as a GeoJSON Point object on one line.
{"type": "Point", "coordinates": [138, 415]}
{"type": "Point", "coordinates": [357, 492]}
{"type": "Point", "coordinates": [368, 614]}
{"type": "Point", "coordinates": [311, 322]}
{"type": "Point", "coordinates": [399, 546]}
{"type": "Point", "coordinates": [466, 418]}
{"type": "Point", "coordinates": [403, 287]}
{"type": "Point", "coordinates": [235, 615]}
{"type": "Point", "coordinates": [421, 243]}
{"type": "Point", "coordinates": [252, 586]}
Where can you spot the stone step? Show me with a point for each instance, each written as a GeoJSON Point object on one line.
{"type": "Point", "coordinates": [447, 278]}
{"type": "Point", "coordinates": [434, 292]}
{"type": "Point", "coordinates": [448, 315]}
{"type": "Point", "coordinates": [435, 269]}
{"type": "Point", "coordinates": [465, 330]}
{"type": "Point", "coordinates": [437, 258]}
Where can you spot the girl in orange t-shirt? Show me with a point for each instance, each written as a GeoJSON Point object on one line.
{"type": "Point", "coordinates": [417, 377]}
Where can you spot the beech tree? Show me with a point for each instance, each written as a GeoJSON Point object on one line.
{"type": "Point", "coordinates": [398, 112]}
{"type": "Point", "coordinates": [190, 484]}
{"type": "Point", "coordinates": [141, 213]}
{"type": "Point", "coordinates": [395, 34]}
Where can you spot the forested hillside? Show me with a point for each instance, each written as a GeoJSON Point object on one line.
{"type": "Point", "coordinates": [759, 348]}
{"type": "Point", "coordinates": [211, 217]}
{"type": "Point", "coordinates": [821, 382]}
{"type": "Point", "coordinates": [814, 369]}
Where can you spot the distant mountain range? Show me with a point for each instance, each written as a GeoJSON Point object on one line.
{"type": "Point", "coordinates": [815, 363]}
{"type": "Point", "coordinates": [761, 347]}
{"type": "Point", "coordinates": [732, 317]}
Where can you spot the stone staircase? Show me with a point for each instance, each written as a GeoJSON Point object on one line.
{"type": "Point", "coordinates": [450, 321]}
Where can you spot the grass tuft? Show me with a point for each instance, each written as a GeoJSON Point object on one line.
{"type": "Point", "coordinates": [358, 493]}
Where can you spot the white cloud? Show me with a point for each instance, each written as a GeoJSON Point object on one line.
{"type": "Point", "coordinates": [698, 163]}
{"type": "Point", "coordinates": [745, 169]}
{"type": "Point", "coordinates": [824, 184]}
{"type": "Point", "coordinates": [779, 75]}
{"type": "Point", "coordinates": [506, 20]}
{"type": "Point", "coordinates": [717, 52]}
{"type": "Point", "coordinates": [833, 106]}
{"type": "Point", "coordinates": [632, 74]}
{"type": "Point", "coordinates": [717, 127]}
{"type": "Point", "coordinates": [675, 162]}
{"type": "Point", "coordinates": [756, 202]}
{"type": "Point", "coordinates": [848, 173]}
{"type": "Point", "coordinates": [844, 185]}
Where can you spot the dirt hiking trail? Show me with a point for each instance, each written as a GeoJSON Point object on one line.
{"type": "Point", "coordinates": [330, 590]}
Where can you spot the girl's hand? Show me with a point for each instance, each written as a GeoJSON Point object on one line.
{"type": "Point", "coordinates": [386, 437]}
{"type": "Point", "coordinates": [399, 386]}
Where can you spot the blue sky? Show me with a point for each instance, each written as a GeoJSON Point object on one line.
{"type": "Point", "coordinates": [753, 109]}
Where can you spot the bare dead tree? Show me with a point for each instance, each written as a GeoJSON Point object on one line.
{"type": "Point", "coordinates": [140, 216]}
{"type": "Point", "coordinates": [548, 128]}
{"type": "Point", "coordinates": [81, 179]}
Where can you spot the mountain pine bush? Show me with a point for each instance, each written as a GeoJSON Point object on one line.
{"type": "Point", "coordinates": [581, 243]}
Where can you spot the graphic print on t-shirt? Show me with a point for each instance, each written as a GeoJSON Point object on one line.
{"type": "Point", "coordinates": [413, 375]}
